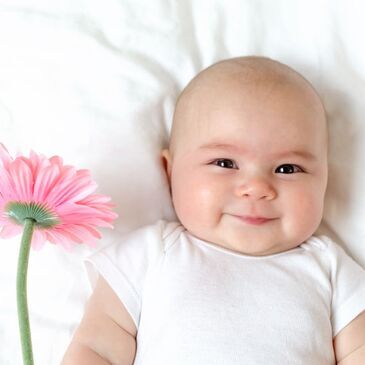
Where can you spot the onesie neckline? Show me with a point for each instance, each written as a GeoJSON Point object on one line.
{"type": "Point", "coordinates": [227, 251]}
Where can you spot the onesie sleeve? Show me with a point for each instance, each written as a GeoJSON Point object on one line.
{"type": "Point", "coordinates": [126, 264]}
{"type": "Point", "coordinates": [348, 287]}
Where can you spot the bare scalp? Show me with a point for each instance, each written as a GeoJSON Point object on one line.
{"type": "Point", "coordinates": [249, 73]}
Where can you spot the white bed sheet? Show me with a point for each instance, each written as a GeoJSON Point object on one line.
{"type": "Point", "coordinates": [95, 82]}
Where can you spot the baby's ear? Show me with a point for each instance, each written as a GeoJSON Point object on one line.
{"type": "Point", "coordinates": [166, 162]}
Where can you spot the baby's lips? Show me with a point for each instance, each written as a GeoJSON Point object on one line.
{"type": "Point", "coordinates": [255, 220]}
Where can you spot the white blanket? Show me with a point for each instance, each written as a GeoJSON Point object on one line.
{"type": "Point", "coordinates": [95, 82]}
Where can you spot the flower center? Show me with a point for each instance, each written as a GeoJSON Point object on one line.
{"type": "Point", "coordinates": [43, 217]}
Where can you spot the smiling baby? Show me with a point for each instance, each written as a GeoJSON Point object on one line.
{"type": "Point", "coordinates": [241, 278]}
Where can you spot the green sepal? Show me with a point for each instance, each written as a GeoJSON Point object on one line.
{"type": "Point", "coordinates": [43, 217]}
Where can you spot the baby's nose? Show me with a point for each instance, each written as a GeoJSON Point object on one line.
{"type": "Point", "coordinates": [256, 188]}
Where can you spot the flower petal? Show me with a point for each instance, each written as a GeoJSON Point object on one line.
{"type": "Point", "coordinates": [71, 213]}
{"type": "Point", "coordinates": [95, 199]}
{"type": "Point", "coordinates": [22, 179]}
{"type": "Point", "coordinates": [93, 231]}
{"type": "Point", "coordinates": [7, 190]}
{"type": "Point", "coordinates": [77, 233]}
{"type": "Point", "coordinates": [72, 188]}
{"type": "Point", "coordinates": [10, 230]}
{"type": "Point", "coordinates": [60, 238]}
{"type": "Point", "coordinates": [5, 158]}
{"type": "Point", "coordinates": [38, 239]}
{"type": "Point", "coordinates": [45, 182]}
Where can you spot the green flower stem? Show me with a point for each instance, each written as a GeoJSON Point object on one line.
{"type": "Point", "coordinates": [21, 290]}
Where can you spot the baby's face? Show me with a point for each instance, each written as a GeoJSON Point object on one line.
{"type": "Point", "coordinates": [249, 171]}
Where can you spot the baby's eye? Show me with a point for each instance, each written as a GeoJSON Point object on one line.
{"type": "Point", "coordinates": [288, 169]}
{"type": "Point", "coordinates": [225, 163]}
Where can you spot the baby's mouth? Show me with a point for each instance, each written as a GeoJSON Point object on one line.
{"type": "Point", "coordinates": [253, 219]}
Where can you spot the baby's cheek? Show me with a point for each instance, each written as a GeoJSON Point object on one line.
{"type": "Point", "coordinates": [194, 203]}
{"type": "Point", "coordinates": [306, 215]}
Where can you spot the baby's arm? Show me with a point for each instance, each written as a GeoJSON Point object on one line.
{"type": "Point", "coordinates": [349, 344]}
{"type": "Point", "coordinates": [106, 334]}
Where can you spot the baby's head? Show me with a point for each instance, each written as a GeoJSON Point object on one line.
{"type": "Point", "coordinates": [247, 161]}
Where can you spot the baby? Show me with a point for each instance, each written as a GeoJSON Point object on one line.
{"type": "Point", "coordinates": [240, 279]}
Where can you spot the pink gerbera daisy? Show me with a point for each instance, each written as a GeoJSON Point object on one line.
{"type": "Point", "coordinates": [46, 201]}
{"type": "Point", "coordinates": [57, 197]}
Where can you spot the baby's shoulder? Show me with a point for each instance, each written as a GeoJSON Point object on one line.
{"type": "Point", "coordinates": [320, 243]}
{"type": "Point", "coordinates": [161, 233]}
{"type": "Point", "coordinates": [147, 243]}
{"type": "Point", "coordinates": [325, 248]}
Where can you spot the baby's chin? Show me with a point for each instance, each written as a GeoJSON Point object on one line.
{"type": "Point", "coordinates": [260, 239]}
{"type": "Point", "coordinates": [254, 244]}
{"type": "Point", "coordinates": [264, 239]}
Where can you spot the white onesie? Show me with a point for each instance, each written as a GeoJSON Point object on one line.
{"type": "Point", "coordinates": [195, 303]}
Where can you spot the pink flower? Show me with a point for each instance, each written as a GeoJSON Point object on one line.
{"type": "Point", "coordinates": [58, 197]}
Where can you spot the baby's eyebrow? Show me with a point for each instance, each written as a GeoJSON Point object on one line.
{"type": "Point", "coordinates": [233, 148]}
